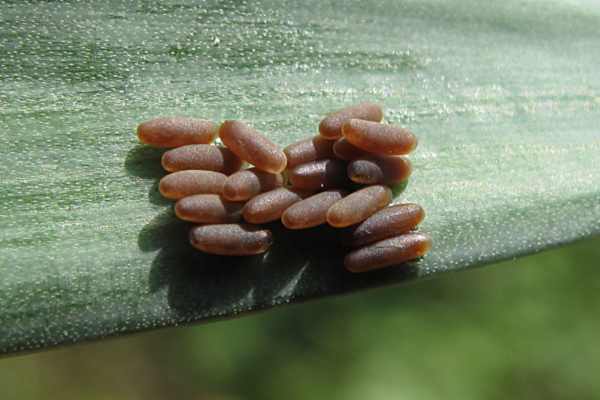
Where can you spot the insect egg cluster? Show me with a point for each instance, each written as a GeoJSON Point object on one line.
{"type": "Point", "coordinates": [341, 177]}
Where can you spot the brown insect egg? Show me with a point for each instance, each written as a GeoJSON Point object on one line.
{"type": "Point", "coordinates": [311, 211]}
{"type": "Point", "coordinates": [388, 252]}
{"type": "Point", "coordinates": [320, 174]}
{"type": "Point", "coordinates": [250, 145]}
{"type": "Point", "coordinates": [331, 126]}
{"type": "Point", "coordinates": [358, 206]}
{"type": "Point", "coordinates": [315, 148]}
{"type": "Point", "coordinates": [176, 131]}
{"type": "Point", "coordinates": [388, 222]}
{"type": "Point", "coordinates": [231, 239]}
{"type": "Point", "coordinates": [269, 206]}
{"type": "Point", "coordinates": [185, 183]}
{"type": "Point", "coordinates": [208, 209]}
{"type": "Point", "coordinates": [201, 156]}
{"type": "Point", "coordinates": [379, 138]}
{"type": "Point", "coordinates": [387, 170]}
{"type": "Point", "coordinates": [344, 150]}
{"type": "Point", "coordinates": [248, 183]}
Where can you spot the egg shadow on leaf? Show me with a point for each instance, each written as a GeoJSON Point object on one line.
{"type": "Point", "coordinates": [144, 162]}
{"type": "Point", "coordinates": [300, 265]}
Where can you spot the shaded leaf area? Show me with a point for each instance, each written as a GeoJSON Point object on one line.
{"type": "Point", "coordinates": [504, 98]}
{"type": "Point", "coordinates": [520, 329]}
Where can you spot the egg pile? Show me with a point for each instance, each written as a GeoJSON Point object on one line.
{"type": "Point", "coordinates": [342, 177]}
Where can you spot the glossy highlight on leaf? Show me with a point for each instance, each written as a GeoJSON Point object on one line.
{"type": "Point", "coordinates": [503, 97]}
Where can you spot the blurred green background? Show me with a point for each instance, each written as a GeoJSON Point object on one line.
{"type": "Point", "coordinates": [526, 328]}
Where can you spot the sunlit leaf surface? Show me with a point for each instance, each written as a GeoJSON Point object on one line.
{"type": "Point", "coordinates": [504, 96]}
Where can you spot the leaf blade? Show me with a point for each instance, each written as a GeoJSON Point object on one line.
{"type": "Point", "coordinates": [504, 101]}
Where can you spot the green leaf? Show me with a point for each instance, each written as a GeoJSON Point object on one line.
{"type": "Point", "coordinates": [503, 96]}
